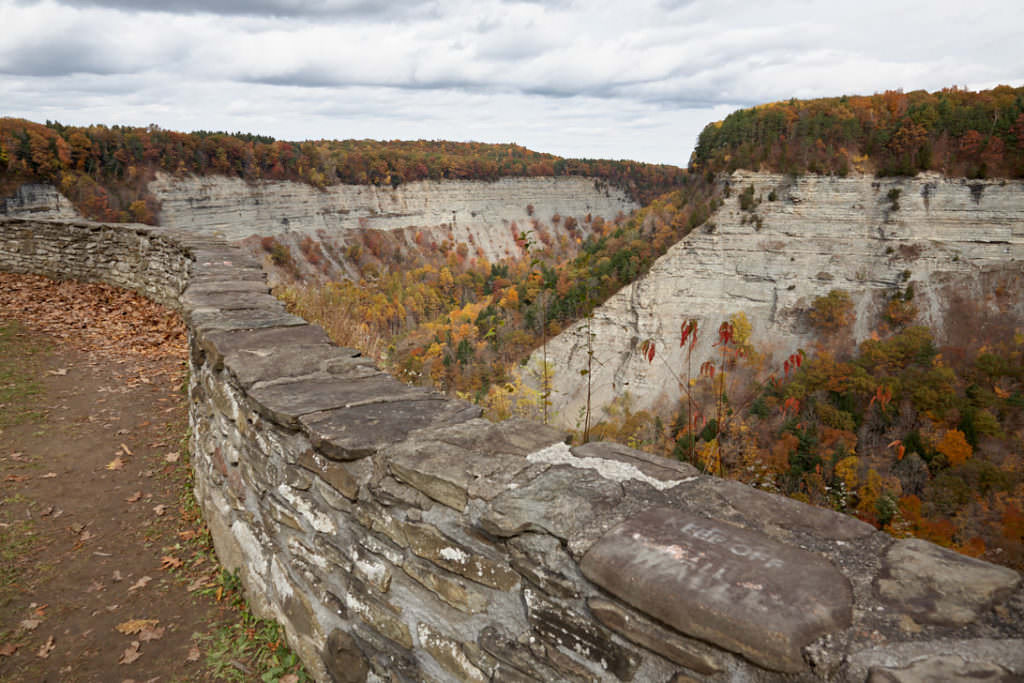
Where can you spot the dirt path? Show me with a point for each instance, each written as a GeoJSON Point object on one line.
{"type": "Point", "coordinates": [106, 571]}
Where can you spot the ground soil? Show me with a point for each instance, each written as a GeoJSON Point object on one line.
{"type": "Point", "coordinates": [106, 570]}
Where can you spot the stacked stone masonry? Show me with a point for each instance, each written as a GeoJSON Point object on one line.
{"type": "Point", "coordinates": [398, 536]}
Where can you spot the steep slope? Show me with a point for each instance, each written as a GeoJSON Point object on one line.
{"type": "Point", "coordinates": [482, 214]}
{"type": "Point", "coordinates": [955, 241]}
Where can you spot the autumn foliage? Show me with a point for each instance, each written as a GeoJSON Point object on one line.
{"type": "Point", "coordinates": [105, 171]}
{"type": "Point", "coordinates": [953, 131]}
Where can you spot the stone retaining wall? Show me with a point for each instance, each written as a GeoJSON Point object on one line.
{"type": "Point", "coordinates": [398, 536]}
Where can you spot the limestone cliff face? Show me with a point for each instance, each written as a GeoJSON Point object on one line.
{"type": "Point", "coordinates": [478, 213]}
{"type": "Point", "coordinates": [37, 200]}
{"type": "Point", "coordinates": [956, 241]}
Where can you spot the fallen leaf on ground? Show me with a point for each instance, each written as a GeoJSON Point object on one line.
{"type": "Point", "coordinates": [133, 626]}
{"type": "Point", "coordinates": [17, 455]}
{"type": "Point", "coordinates": [193, 654]}
{"type": "Point", "coordinates": [8, 649]}
{"type": "Point", "coordinates": [135, 497]}
{"type": "Point", "coordinates": [187, 534]}
{"type": "Point", "coordinates": [95, 586]}
{"type": "Point", "coordinates": [131, 653]}
{"type": "Point", "coordinates": [15, 478]}
{"type": "Point", "coordinates": [60, 372]}
{"type": "Point", "coordinates": [169, 562]}
{"type": "Point", "coordinates": [159, 510]}
{"type": "Point", "coordinates": [141, 583]}
{"type": "Point", "coordinates": [148, 634]}
{"type": "Point", "coordinates": [171, 457]}
{"type": "Point", "coordinates": [290, 678]}
{"type": "Point", "coordinates": [85, 535]}
{"type": "Point", "coordinates": [47, 512]}
{"type": "Point", "coordinates": [127, 451]}
{"type": "Point", "coordinates": [115, 464]}
{"type": "Point", "coordinates": [30, 624]}
{"type": "Point", "coordinates": [117, 576]}
{"type": "Point", "coordinates": [197, 584]}
{"type": "Point", "coordinates": [77, 528]}
{"type": "Point", "coordinates": [46, 648]}
{"type": "Point", "coordinates": [49, 475]}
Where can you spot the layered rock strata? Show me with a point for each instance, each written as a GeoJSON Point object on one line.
{"type": "Point", "coordinates": [397, 536]}
{"type": "Point", "coordinates": [481, 214]}
{"type": "Point", "coordinates": [38, 200]}
{"type": "Point", "coordinates": [957, 244]}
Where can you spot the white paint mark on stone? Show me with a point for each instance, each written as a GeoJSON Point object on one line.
{"type": "Point", "coordinates": [454, 555]}
{"type": "Point", "coordinates": [559, 454]}
{"type": "Point", "coordinates": [316, 519]}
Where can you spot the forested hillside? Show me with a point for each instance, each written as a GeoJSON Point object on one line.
{"type": "Point", "coordinates": [105, 170]}
{"type": "Point", "coordinates": [954, 132]}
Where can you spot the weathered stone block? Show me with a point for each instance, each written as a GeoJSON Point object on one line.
{"type": "Point", "coordinates": [430, 544]}
{"type": "Point", "coordinates": [685, 651]}
{"type": "Point", "coordinates": [286, 402]}
{"type": "Point", "coordinates": [448, 653]}
{"type": "Point", "coordinates": [474, 459]}
{"type": "Point", "coordinates": [577, 505]}
{"type": "Point", "coordinates": [938, 586]}
{"type": "Point", "coordinates": [335, 474]}
{"type": "Point", "coordinates": [362, 430]}
{"type": "Point", "coordinates": [732, 587]}
{"type": "Point", "coordinates": [343, 659]}
{"type": "Point", "coordinates": [572, 631]}
{"type": "Point", "coordinates": [458, 593]}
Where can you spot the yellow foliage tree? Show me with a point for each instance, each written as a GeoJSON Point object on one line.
{"type": "Point", "coordinates": [955, 447]}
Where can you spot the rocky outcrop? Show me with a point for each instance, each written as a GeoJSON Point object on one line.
{"type": "Point", "coordinates": [959, 244]}
{"type": "Point", "coordinates": [397, 536]}
{"type": "Point", "coordinates": [478, 213]}
{"type": "Point", "coordinates": [38, 200]}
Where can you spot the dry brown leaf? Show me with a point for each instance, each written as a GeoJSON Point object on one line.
{"type": "Point", "coordinates": [288, 678]}
{"type": "Point", "coordinates": [8, 649]}
{"type": "Point", "coordinates": [49, 475]}
{"type": "Point", "coordinates": [159, 510]}
{"type": "Point", "coordinates": [15, 478]}
{"type": "Point", "coordinates": [193, 654]}
{"type": "Point", "coordinates": [169, 562]}
{"type": "Point", "coordinates": [134, 498]}
{"type": "Point", "coordinates": [141, 583]}
{"type": "Point", "coordinates": [127, 451]}
{"type": "Point", "coordinates": [46, 648]}
{"type": "Point", "coordinates": [133, 626]}
{"type": "Point", "coordinates": [60, 372]}
{"type": "Point", "coordinates": [148, 634]}
{"type": "Point", "coordinates": [115, 464]}
{"type": "Point", "coordinates": [30, 624]}
{"type": "Point", "coordinates": [187, 534]}
{"type": "Point", "coordinates": [171, 457]}
{"type": "Point", "coordinates": [131, 653]}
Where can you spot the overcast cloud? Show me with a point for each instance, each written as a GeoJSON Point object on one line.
{"type": "Point", "coordinates": [616, 79]}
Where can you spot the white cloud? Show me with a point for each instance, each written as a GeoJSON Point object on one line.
{"type": "Point", "coordinates": [636, 80]}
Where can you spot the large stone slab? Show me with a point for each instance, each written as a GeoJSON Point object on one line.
{"type": "Point", "coordinates": [735, 588]}
{"type": "Point", "coordinates": [286, 402]}
{"type": "Point", "coordinates": [938, 586]}
{"type": "Point", "coordinates": [260, 341]}
{"type": "Point", "coordinates": [575, 505]}
{"type": "Point", "coordinates": [360, 431]}
{"type": "Point", "coordinates": [474, 459]}
{"type": "Point", "coordinates": [214, 319]}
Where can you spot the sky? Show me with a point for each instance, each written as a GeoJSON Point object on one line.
{"type": "Point", "coordinates": [625, 79]}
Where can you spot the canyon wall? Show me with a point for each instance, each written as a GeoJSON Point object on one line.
{"type": "Point", "coordinates": [38, 200]}
{"type": "Point", "coordinates": [399, 537]}
{"type": "Point", "coordinates": [959, 244]}
{"type": "Point", "coordinates": [479, 213]}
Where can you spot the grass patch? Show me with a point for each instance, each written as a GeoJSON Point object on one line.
{"type": "Point", "coordinates": [19, 389]}
{"type": "Point", "coordinates": [18, 539]}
